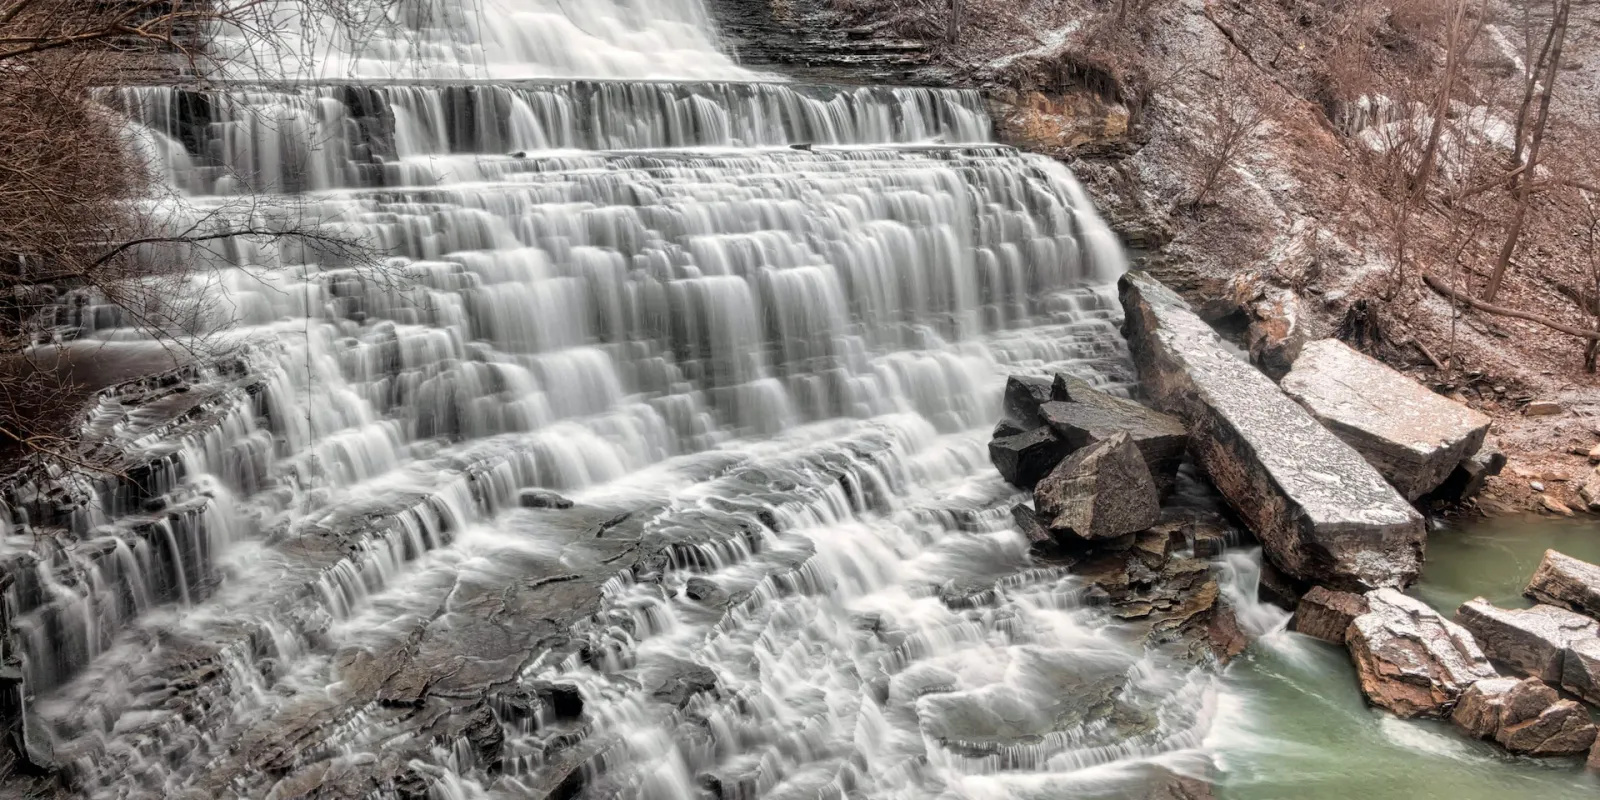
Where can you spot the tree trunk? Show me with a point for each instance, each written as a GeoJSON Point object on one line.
{"type": "Point", "coordinates": [1525, 188]}
{"type": "Point", "coordinates": [952, 33]}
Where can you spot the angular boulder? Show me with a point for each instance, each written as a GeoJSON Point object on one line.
{"type": "Point", "coordinates": [1413, 436]}
{"type": "Point", "coordinates": [1562, 580]}
{"type": "Point", "coordinates": [1032, 528]}
{"type": "Point", "coordinates": [1471, 475]}
{"type": "Point", "coordinates": [1092, 416]}
{"type": "Point", "coordinates": [1024, 394]}
{"type": "Point", "coordinates": [1525, 716]}
{"type": "Point", "coordinates": [1580, 670]}
{"type": "Point", "coordinates": [1410, 659]}
{"type": "Point", "coordinates": [1026, 457]}
{"type": "Point", "coordinates": [1530, 641]}
{"type": "Point", "coordinates": [1327, 614]}
{"type": "Point", "coordinates": [1323, 514]}
{"type": "Point", "coordinates": [1100, 492]}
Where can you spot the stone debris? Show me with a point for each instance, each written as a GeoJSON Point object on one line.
{"type": "Point", "coordinates": [1526, 717]}
{"type": "Point", "coordinates": [1415, 437]}
{"type": "Point", "coordinates": [1543, 408]}
{"type": "Point", "coordinates": [1531, 641]}
{"type": "Point", "coordinates": [1326, 614]}
{"type": "Point", "coordinates": [1323, 514]}
{"type": "Point", "coordinates": [1100, 492]}
{"type": "Point", "coordinates": [1409, 659]}
{"type": "Point", "coordinates": [1089, 416]}
{"type": "Point", "coordinates": [1564, 581]}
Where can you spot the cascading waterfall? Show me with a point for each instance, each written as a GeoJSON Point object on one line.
{"type": "Point", "coordinates": [755, 330]}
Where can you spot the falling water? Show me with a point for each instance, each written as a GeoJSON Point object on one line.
{"type": "Point", "coordinates": [756, 331]}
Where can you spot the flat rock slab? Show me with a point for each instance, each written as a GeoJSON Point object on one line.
{"type": "Point", "coordinates": [1410, 659]}
{"type": "Point", "coordinates": [1562, 580]}
{"type": "Point", "coordinates": [1322, 512]}
{"type": "Point", "coordinates": [1327, 614]}
{"type": "Point", "coordinates": [1532, 641]}
{"type": "Point", "coordinates": [1413, 436]}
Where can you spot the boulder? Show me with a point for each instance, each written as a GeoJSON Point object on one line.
{"type": "Point", "coordinates": [1410, 659]}
{"type": "Point", "coordinates": [1327, 614]}
{"type": "Point", "coordinates": [1032, 528]}
{"type": "Point", "coordinates": [1471, 475]}
{"type": "Point", "coordinates": [1277, 334]}
{"type": "Point", "coordinates": [1025, 458]}
{"type": "Point", "coordinates": [1323, 514]}
{"type": "Point", "coordinates": [1525, 716]}
{"type": "Point", "coordinates": [1100, 492]}
{"type": "Point", "coordinates": [1024, 395]}
{"type": "Point", "coordinates": [1413, 436]}
{"type": "Point", "coordinates": [542, 498]}
{"type": "Point", "coordinates": [1530, 641]}
{"type": "Point", "coordinates": [1594, 757]}
{"type": "Point", "coordinates": [1092, 416]}
{"type": "Point", "coordinates": [1580, 670]}
{"type": "Point", "coordinates": [1543, 408]}
{"type": "Point", "coordinates": [1562, 580]}
{"type": "Point", "coordinates": [1589, 492]}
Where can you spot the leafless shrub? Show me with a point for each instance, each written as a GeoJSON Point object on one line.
{"type": "Point", "coordinates": [1226, 131]}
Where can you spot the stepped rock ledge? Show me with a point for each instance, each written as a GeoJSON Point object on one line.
{"type": "Point", "coordinates": [1322, 512]}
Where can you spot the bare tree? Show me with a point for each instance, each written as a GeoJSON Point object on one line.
{"type": "Point", "coordinates": [1226, 131]}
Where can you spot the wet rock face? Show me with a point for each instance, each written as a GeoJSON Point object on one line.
{"type": "Point", "coordinates": [542, 498]}
{"type": "Point", "coordinates": [1409, 659]}
{"type": "Point", "coordinates": [1526, 717]}
{"type": "Point", "coordinates": [1564, 581]}
{"type": "Point", "coordinates": [1024, 395]}
{"type": "Point", "coordinates": [1413, 436]}
{"type": "Point", "coordinates": [1326, 614]}
{"type": "Point", "coordinates": [1531, 641]}
{"type": "Point", "coordinates": [1025, 458]}
{"type": "Point", "coordinates": [1100, 492]}
{"type": "Point", "coordinates": [1083, 415]}
{"type": "Point", "coordinates": [1323, 514]}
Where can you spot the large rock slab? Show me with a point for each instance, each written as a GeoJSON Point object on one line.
{"type": "Point", "coordinates": [1326, 614]}
{"type": "Point", "coordinates": [1532, 641]}
{"type": "Point", "coordinates": [1091, 416]}
{"type": "Point", "coordinates": [1413, 436]}
{"type": "Point", "coordinates": [1562, 580]}
{"type": "Point", "coordinates": [1323, 514]}
{"type": "Point", "coordinates": [1410, 659]}
{"type": "Point", "coordinates": [1100, 492]}
{"type": "Point", "coordinates": [1026, 457]}
{"type": "Point", "coordinates": [1525, 716]}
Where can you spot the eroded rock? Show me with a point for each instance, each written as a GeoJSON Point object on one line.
{"type": "Point", "coordinates": [1525, 716]}
{"type": "Point", "coordinates": [1564, 581]}
{"type": "Point", "coordinates": [1100, 492]}
{"type": "Point", "coordinates": [1327, 614]}
{"type": "Point", "coordinates": [1409, 659]}
{"type": "Point", "coordinates": [1531, 641]}
{"type": "Point", "coordinates": [1025, 458]}
{"type": "Point", "coordinates": [1323, 514]}
{"type": "Point", "coordinates": [1413, 436]}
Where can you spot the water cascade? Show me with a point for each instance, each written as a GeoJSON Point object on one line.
{"type": "Point", "coordinates": [755, 330]}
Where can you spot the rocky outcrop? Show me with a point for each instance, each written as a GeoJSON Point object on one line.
{"type": "Point", "coordinates": [1409, 659]}
{"type": "Point", "coordinates": [1526, 717]}
{"type": "Point", "coordinates": [1100, 492]}
{"type": "Point", "coordinates": [1323, 514]}
{"type": "Point", "coordinates": [1531, 641]}
{"type": "Point", "coordinates": [1414, 437]}
{"type": "Point", "coordinates": [1083, 415]}
{"type": "Point", "coordinates": [1327, 614]}
{"type": "Point", "coordinates": [1024, 458]}
{"type": "Point", "coordinates": [1562, 580]}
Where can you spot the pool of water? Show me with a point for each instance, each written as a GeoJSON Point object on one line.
{"type": "Point", "coordinates": [1292, 722]}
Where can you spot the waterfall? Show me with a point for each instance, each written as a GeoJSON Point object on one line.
{"type": "Point", "coordinates": [755, 330]}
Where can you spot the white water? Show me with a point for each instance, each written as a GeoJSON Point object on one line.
{"type": "Point", "coordinates": [783, 362]}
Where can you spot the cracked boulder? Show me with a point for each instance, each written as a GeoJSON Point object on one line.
{"type": "Point", "coordinates": [1526, 717]}
{"type": "Point", "coordinates": [1562, 580]}
{"type": "Point", "coordinates": [1324, 515]}
{"type": "Point", "coordinates": [1101, 492]}
{"type": "Point", "coordinates": [1531, 641]}
{"type": "Point", "coordinates": [1414, 436]}
{"type": "Point", "coordinates": [1409, 659]}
